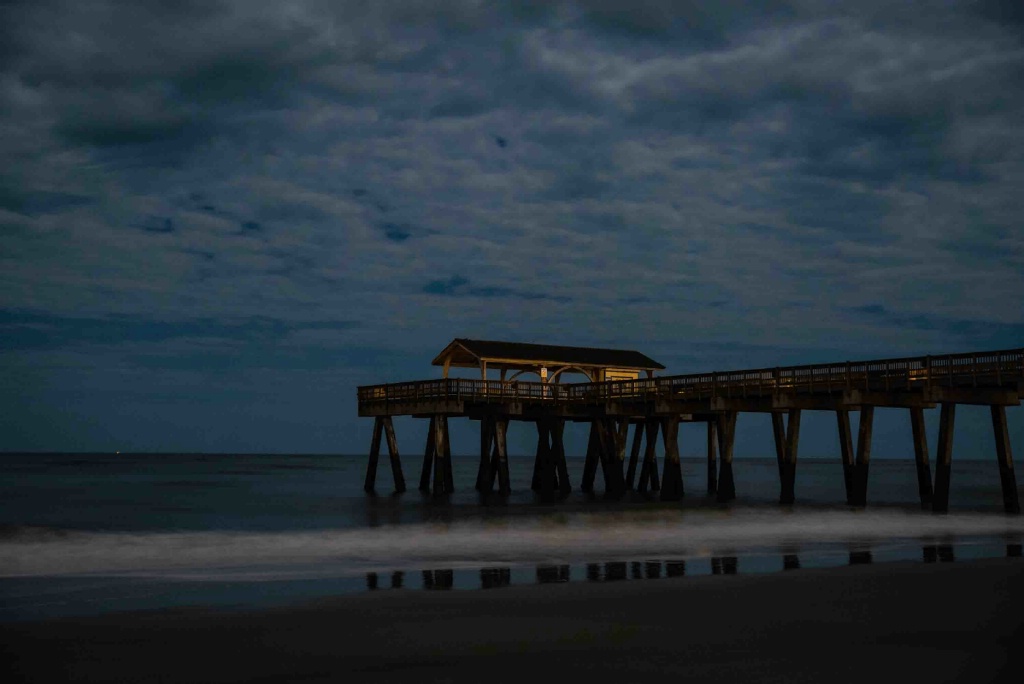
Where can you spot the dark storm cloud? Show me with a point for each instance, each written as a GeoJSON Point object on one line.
{"type": "Point", "coordinates": [26, 330]}
{"type": "Point", "coordinates": [807, 177]}
{"type": "Point", "coordinates": [457, 286]}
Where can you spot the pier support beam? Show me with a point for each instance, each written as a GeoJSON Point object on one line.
{"type": "Point", "coordinates": [859, 474]}
{"type": "Point", "coordinates": [499, 458]}
{"type": "Point", "coordinates": [634, 453]}
{"type": "Point", "coordinates": [550, 471]}
{"type": "Point", "coordinates": [787, 438]}
{"type": "Point", "coordinates": [672, 477]}
{"type": "Point", "coordinates": [428, 457]}
{"type": "Point", "coordinates": [385, 425]}
{"type": "Point", "coordinates": [726, 439]}
{"type": "Point", "coordinates": [611, 449]}
{"type": "Point", "coordinates": [924, 472]}
{"type": "Point", "coordinates": [846, 452]}
{"type": "Point", "coordinates": [558, 450]}
{"type": "Point", "coordinates": [396, 462]}
{"type": "Point", "coordinates": [544, 464]}
{"type": "Point", "coordinates": [590, 464]}
{"type": "Point", "coordinates": [944, 458]}
{"type": "Point", "coordinates": [1011, 503]}
{"type": "Point", "coordinates": [649, 467]}
{"type": "Point", "coordinates": [371, 466]}
{"type": "Point", "coordinates": [483, 473]}
{"type": "Point", "coordinates": [443, 480]}
{"type": "Point", "coordinates": [712, 457]}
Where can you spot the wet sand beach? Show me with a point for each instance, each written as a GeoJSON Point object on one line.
{"type": "Point", "coordinates": [960, 621]}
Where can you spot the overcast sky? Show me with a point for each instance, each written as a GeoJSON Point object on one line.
{"type": "Point", "coordinates": [219, 218]}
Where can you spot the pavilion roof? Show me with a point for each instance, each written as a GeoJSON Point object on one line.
{"type": "Point", "coordinates": [466, 353]}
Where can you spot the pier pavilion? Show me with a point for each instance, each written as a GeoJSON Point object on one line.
{"type": "Point", "coordinates": [615, 398]}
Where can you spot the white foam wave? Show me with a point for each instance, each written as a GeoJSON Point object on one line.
{"type": "Point", "coordinates": [572, 538]}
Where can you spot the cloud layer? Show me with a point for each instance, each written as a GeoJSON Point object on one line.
{"type": "Point", "coordinates": [274, 202]}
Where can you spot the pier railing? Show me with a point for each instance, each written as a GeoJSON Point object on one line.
{"type": "Point", "coordinates": [973, 369]}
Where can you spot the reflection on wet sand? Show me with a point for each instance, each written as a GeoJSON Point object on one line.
{"type": "Point", "coordinates": [438, 579]}
{"type": "Point", "coordinates": [491, 578]}
{"type": "Point", "coordinates": [548, 574]}
{"type": "Point", "coordinates": [940, 553]}
{"type": "Point", "coordinates": [860, 557]}
{"type": "Point", "coordinates": [613, 571]}
{"type": "Point", "coordinates": [724, 565]}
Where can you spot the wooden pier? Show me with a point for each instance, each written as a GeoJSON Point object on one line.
{"type": "Point", "coordinates": [653, 407]}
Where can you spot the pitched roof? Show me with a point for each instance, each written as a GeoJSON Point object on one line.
{"type": "Point", "coordinates": [470, 352]}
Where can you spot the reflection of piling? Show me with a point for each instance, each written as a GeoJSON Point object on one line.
{"type": "Point", "coordinates": [397, 579]}
{"type": "Point", "coordinates": [491, 578]}
{"type": "Point", "coordinates": [371, 581]}
{"type": "Point", "coordinates": [675, 568]}
{"type": "Point", "coordinates": [1014, 550]}
{"type": "Point", "coordinates": [438, 579]}
{"type": "Point", "coordinates": [552, 574]}
{"type": "Point", "coordinates": [791, 561]}
{"type": "Point", "coordinates": [652, 570]}
{"type": "Point", "coordinates": [860, 558]}
{"type": "Point", "coordinates": [614, 571]}
{"type": "Point", "coordinates": [637, 570]}
{"type": "Point", "coordinates": [724, 565]}
{"type": "Point", "coordinates": [938, 553]}
{"type": "Point", "coordinates": [593, 572]}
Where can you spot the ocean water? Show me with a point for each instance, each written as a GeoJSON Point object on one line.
{"type": "Point", "coordinates": [90, 533]}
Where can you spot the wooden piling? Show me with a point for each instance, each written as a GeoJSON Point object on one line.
{"type": "Point", "coordinates": [860, 467]}
{"type": "Point", "coordinates": [1011, 503]}
{"type": "Point", "coordinates": [396, 461]}
{"type": "Point", "coordinates": [779, 434]}
{"type": "Point", "coordinates": [787, 471]}
{"type": "Point", "coordinates": [726, 438]}
{"type": "Point", "coordinates": [544, 466]}
{"type": "Point", "coordinates": [712, 457]}
{"type": "Point", "coordinates": [558, 449]}
{"type": "Point", "coordinates": [449, 477]}
{"type": "Point", "coordinates": [846, 452]}
{"type": "Point", "coordinates": [440, 468]}
{"type": "Point", "coordinates": [924, 473]}
{"type": "Point", "coordinates": [649, 467]}
{"type": "Point", "coordinates": [501, 446]}
{"type": "Point", "coordinates": [428, 458]}
{"type": "Point", "coordinates": [634, 453]}
{"type": "Point", "coordinates": [607, 439]}
{"type": "Point", "coordinates": [590, 464]}
{"type": "Point", "coordinates": [483, 472]}
{"type": "Point", "coordinates": [371, 466]}
{"type": "Point", "coordinates": [672, 478]}
{"type": "Point", "coordinates": [541, 453]}
{"type": "Point", "coordinates": [944, 458]}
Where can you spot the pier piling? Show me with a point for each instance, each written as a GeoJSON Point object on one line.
{"type": "Point", "coordinates": [712, 458]}
{"type": "Point", "coordinates": [944, 458]}
{"type": "Point", "coordinates": [726, 438]}
{"type": "Point", "coordinates": [924, 474]}
{"type": "Point", "coordinates": [859, 479]}
{"type": "Point", "coordinates": [1011, 503]}
{"type": "Point", "coordinates": [672, 477]}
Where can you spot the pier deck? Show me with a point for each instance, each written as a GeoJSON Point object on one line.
{"type": "Point", "coordinates": [650, 405]}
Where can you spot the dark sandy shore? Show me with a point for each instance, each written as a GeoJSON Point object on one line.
{"type": "Point", "coordinates": [895, 622]}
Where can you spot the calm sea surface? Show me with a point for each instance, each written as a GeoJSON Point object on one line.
{"type": "Point", "coordinates": [84, 533]}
